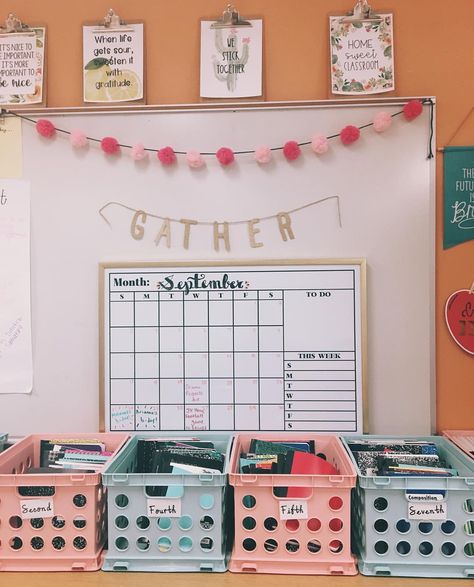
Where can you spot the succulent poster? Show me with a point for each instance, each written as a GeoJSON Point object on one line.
{"type": "Point", "coordinates": [22, 67]}
{"type": "Point", "coordinates": [113, 63]}
{"type": "Point", "coordinates": [361, 55]}
{"type": "Point", "coordinates": [231, 61]}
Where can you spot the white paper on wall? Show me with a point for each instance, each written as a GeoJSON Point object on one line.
{"type": "Point", "coordinates": [16, 365]}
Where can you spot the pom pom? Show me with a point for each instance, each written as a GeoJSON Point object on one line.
{"type": "Point", "coordinates": [138, 152]}
{"type": "Point", "coordinates": [263, 155]}
{"type": "Point", "coordinates": [320, 144]}
{"type": "Point", "coordinates": [291, 150]}
{"type": "Point", "coordinates": [382, 121]}
{"type": "Point", "coordinates": [412, 109]}
{"type": "Point", "coordinates": [194, 159]}
{"type": "Point", "coordinates": [110, 145]}
{"type": "Point", "coordinates": [166, 155]}
{"type": "Point", "coordinates": [45, 128]}
{"type": "Point", "coordinates": [78, 139]}
{"type": "Point", "coordinates": [225, 156]}
{"type": "Point", "coordinates": [349, 134]}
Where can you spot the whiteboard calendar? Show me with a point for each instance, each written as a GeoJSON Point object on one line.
{"type": "Point", "coordinates": [268, 346]}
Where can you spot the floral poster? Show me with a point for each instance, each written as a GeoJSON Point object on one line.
{"type": "Point", "coordinates": [231, 61]}
{"type": "Point", "coordinates": [21, 67]}
{"type": "Point", "coordinates": [361, 55]}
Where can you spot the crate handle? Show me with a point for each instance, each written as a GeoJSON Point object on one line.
{"type": "Point", "coordinates": [336, 479]}
{"type": "Point", "coordinates": [469, 572]}
{"type": "Point", "coordinates": [336, 570]}
{"type": "Point", "coordinates": [77, 478]}
{"type": "Point", "coordinates": [248, 478]}
{"type": "Point", "coordinates": [382, 571]}
{"type": "Point", "coordinates": [120, 478]}
{"type": "Point", "coordinates": [381, 480]}
{"type": "Point", "coordinates": [469, 480]}
{"type": "Point", "coordinates": [206, 477]}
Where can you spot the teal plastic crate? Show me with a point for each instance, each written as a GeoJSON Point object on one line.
{"type": "Point", "coordinates": [193, 534]}
{"type": "Point", "coordinates": [3, 441]}
{"type": "Point", "coordinates": [387, 538]}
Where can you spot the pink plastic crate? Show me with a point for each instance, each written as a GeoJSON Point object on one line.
{"type": "Point", "coordinates": [464, 439]}
{"type": "Point", "coordinates": [72, 536]}
{"type": "Point", "coordinates": [317, 544]}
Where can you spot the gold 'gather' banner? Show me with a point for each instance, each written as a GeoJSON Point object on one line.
{"type": "Point", "coordinates": [220, 230]}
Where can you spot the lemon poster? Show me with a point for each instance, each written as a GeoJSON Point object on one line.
{"type": "Point", "coordinates": [113, 63]}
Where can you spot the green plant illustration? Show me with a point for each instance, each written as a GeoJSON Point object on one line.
{"type": "Point", "coordinates": [232, 58]}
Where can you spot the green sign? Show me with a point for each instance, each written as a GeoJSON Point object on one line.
{"type": "Point", "coordinates": [458, 195]}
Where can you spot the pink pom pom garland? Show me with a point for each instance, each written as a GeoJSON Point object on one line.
{"type": "Point", "coordinates": [78, 139]}
{"type": "Point", "coordinates": [110, 146]}
{"type": "Point", "coordinates": [382, 122]}
{"type": "Point", "coordinates": [291, 150]}
{"type": "Point", "coordinates": [166, 155]}
{"type": "Point", "coordinates": [45, 128]}
{"type": "Point", "coordinates": [194, 159]}
{"type": "Point", "coordinates": [412, 110]}
{"type": "Point", "coordinates": [320, 144]}
{"type": "Point", "coordinates": [225, 156]}
{"type": "Point", "coordinates": [263, 155]}
{"type": "Point", "coordinates": [349, 134]}
{"type": "Point", "coordinates": [138, 152]}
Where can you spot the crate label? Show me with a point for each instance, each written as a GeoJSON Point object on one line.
{"type": "Point", "coordinates": [169, 508]}
{"type": "Point", "coordinates": [36, 508]}
{"type": "Point", "coordinates": [427, 510]}
{"type": "Point", "coordinates": [293, 510]}
{"type": "Point", "coordinates": [417, 495]}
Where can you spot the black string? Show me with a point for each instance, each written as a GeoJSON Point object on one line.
{"type": "Point", "coordinates": [243, 152]}
{"type": "Point", "coordinates": [431, 103]}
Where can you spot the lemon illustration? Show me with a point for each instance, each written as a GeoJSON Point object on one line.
{"type": "Point", "coordinates": [126, 86]}
{"type": "Point", "coordinates": [95, 75]}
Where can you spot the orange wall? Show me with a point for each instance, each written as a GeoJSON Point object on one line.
{"type": "Point", "coordinates": [433, 56]}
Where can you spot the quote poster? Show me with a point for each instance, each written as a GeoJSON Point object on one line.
{"type": "Point", "coordinates": [22, 67]}
{"type": "Point", "coordinates": [361, 55]}
{"type": "Point", "coordinates": [458, 195]}
{"type": "Point", "coordinates": [113, 64]}
{"type": "Point", "coordinates": [231, 61]}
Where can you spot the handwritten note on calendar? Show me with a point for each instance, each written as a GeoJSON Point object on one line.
{"type": "Point", "coordinates": [258, 347]}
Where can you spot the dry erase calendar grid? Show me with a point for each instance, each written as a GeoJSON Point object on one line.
{"type": "Point", "coordinates": [234, 348]}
